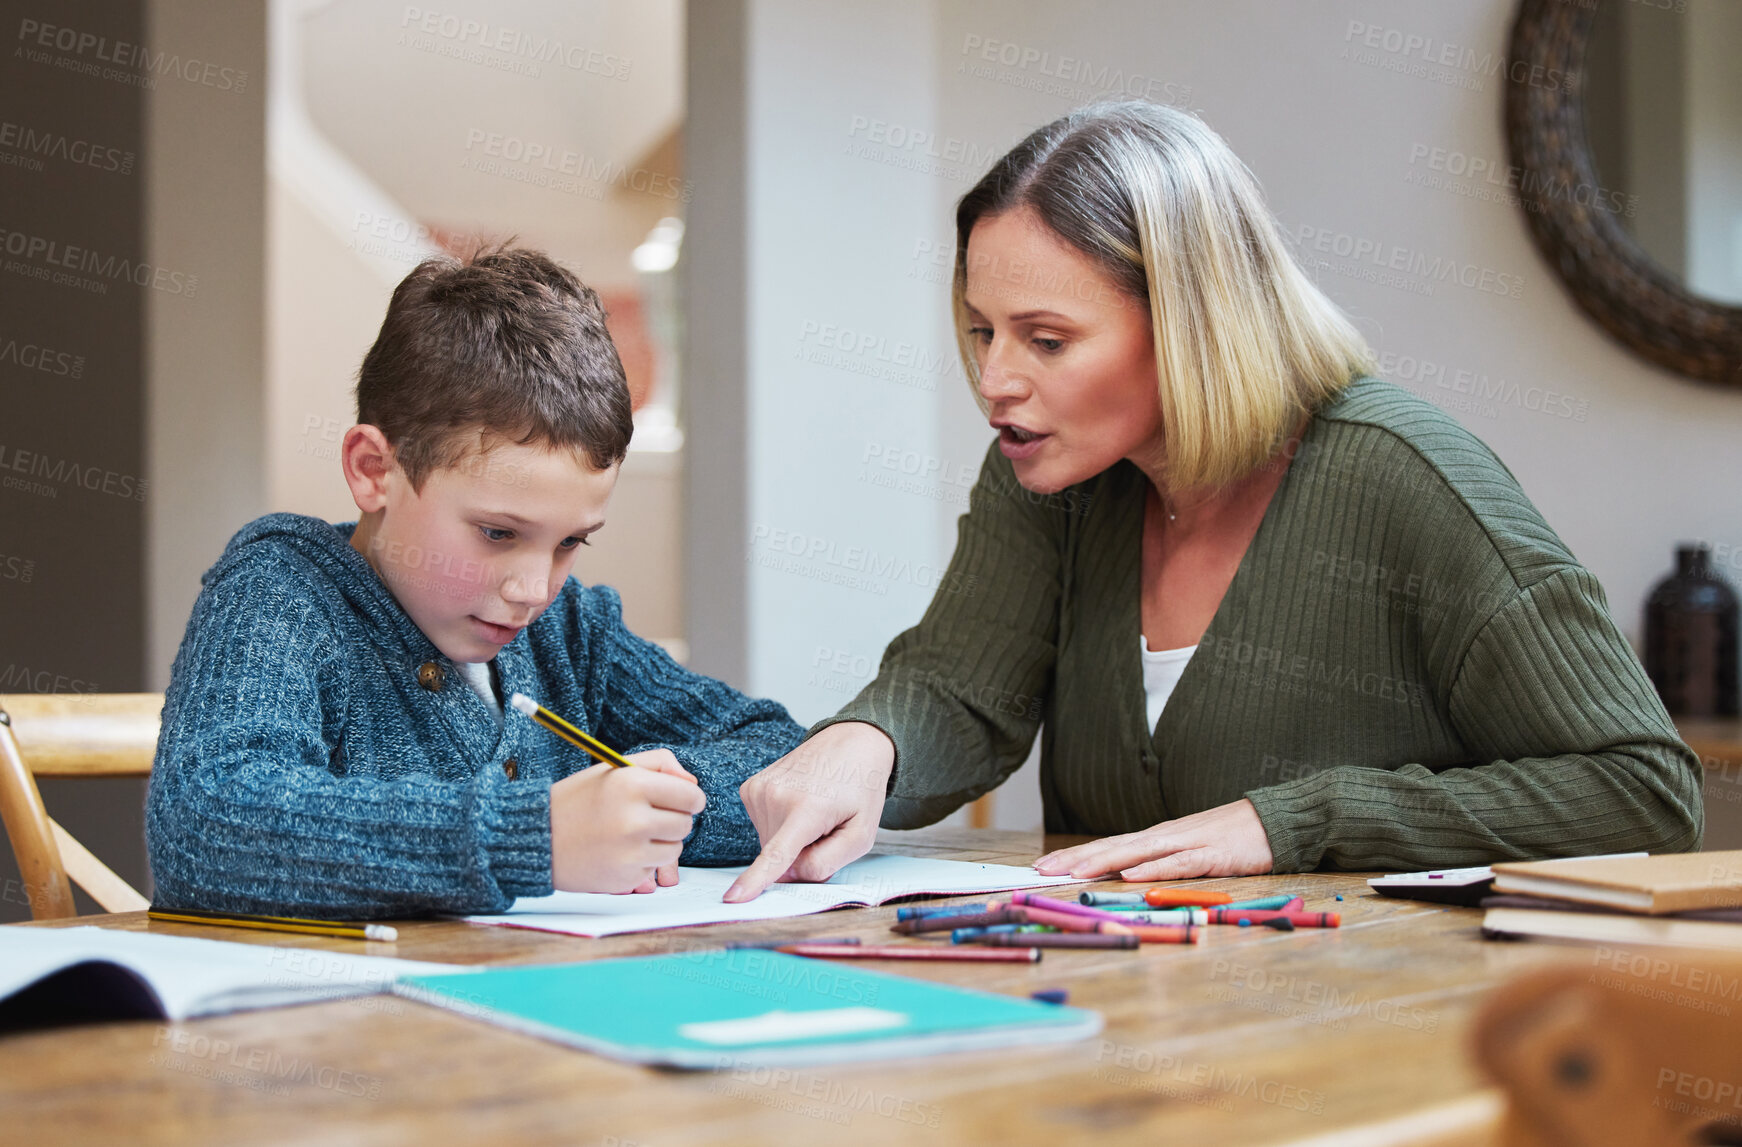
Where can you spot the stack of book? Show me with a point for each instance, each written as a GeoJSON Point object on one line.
{"type": "Point", "coordinates": [1688, 899]}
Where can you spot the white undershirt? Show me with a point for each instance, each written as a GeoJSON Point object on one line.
{"type": "Point", "coordinates": [1161, 672]}
{"type": "Point", "coordinates": [477, 674]}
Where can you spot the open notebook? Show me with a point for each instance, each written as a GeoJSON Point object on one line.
{"type": "Point", "coordinates": [695, 898]}
{"type": "Point", "coordinates": [73, 975]}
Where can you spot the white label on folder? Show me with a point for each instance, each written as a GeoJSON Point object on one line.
{"type": "Point", "coordinates": [772, 1027]}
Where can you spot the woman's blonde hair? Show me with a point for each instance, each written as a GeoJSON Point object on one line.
{"type": "Point", "coordinates": [1244, 342]}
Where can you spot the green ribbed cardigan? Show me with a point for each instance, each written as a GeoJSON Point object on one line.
{"type": "Point", "coordinates": [1409, 669]}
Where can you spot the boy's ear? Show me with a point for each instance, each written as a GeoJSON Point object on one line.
{"type": "Point", "coordinates": [367, 459]}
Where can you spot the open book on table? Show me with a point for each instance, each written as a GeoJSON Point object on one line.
{"type": "Point", "coordinates": [695, 898]}
{"type": "Point", "coordinates": [71, 975]}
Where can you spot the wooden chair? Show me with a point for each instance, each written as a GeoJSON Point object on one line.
{"type": "Point", "coordinates": [69, 735]}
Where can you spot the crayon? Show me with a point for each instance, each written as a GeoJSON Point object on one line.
{"type": "Point", "coordinates": [1110, 899]}
{"type": "Point", "coordinates": [1050, 995]}
{"type": "Point", "coordinates": [950, 923]}
{"type": "Point", "coordinates": [967, 952]}
{"type": "Point", "coordinates": [1257, 916]}
{"type": "Point", "coordinates": [1184, 897]}
{"type": "Point", "coordinates": [1059, 940]}
{"type": "Point", "coordinates": [1064, 921]}
{"type": "Point", "coordinates": [1184, 934]}
{"type": "Point", "coordinates": [918, 911]}
{"type": "Point", "coordinates": [1167, 916]}
{"type": "Point", "coordinates": [1273, 903]}
{"type": "Point", "coordinates": [1034, 900]}
{"type": "Point", "coordinates": [969, 935]}
{"type": "Point", "coordinates": [737, 944]}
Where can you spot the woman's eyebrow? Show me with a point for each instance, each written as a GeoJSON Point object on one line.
{"type": "Point", "coordinates": [1022, 316]}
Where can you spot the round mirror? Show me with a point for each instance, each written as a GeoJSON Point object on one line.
{"type": "Point", "coordinates": [1663, 118]}
{"type": "Point", "coordinates": [1630, 171]}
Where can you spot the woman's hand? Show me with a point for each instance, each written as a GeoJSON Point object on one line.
{"type": "Point", "coordinates": [621, 830]}
{"type": "Point", "coordinates": [1228, 840]}
{"type": "Point", "coordinates": [817, 808]}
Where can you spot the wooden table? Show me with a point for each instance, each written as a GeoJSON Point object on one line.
{"type": "Point", "coordinates": [1718, 741]}
{"type": "Point", "coordinates": [1254, 1037]}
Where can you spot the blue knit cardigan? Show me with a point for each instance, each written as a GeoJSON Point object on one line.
{"type": "Point", "coordinates": [320, 757]}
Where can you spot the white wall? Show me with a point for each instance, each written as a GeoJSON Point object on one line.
{"type": "Point", "coordinates": [205, 412]}
{"type": "Point", "coordinates": [1624, 459]}
{"type": "Point", "coordinates": [377, 113]}
{"type": "Point", "coordinates": [843, 352]}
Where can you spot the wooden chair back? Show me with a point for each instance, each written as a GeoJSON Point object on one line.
{"type": "Point", "coordinates": [69, 735]}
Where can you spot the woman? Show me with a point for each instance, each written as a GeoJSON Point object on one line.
{"type": "Point", "coordinates": [1285, 617]}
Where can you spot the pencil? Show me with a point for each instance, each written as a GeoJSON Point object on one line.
{"type": "Point", "coordinates": [600, 751]}
{"type": "Point", "coordinates": [352, 931]}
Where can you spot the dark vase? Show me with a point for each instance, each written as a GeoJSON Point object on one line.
{"type": "Point", "coordinates": [1690, 638]}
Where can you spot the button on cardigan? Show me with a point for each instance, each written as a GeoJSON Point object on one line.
{"type": "Point", "coordinates": [320, 757]}
{"type": "Point", "coordinates": [1409, 669]}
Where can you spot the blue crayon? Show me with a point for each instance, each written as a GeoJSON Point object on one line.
{"type": "Point", "coordinates": [1050, 995]}
{"type": "Point", "coordinates": [921, 911]}
{"type": "Point", "coordinates": [970, 935]}
{"type": "Point", "coordinates": [1263, 902]}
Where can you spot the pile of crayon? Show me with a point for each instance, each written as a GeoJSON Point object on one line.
{"type": "Point", "coordinates": [1106, 919]}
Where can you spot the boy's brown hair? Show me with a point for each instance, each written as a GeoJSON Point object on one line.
{"type": "Point", "coordinates": [504, 344]}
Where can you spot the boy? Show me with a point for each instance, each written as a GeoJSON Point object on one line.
{"type": "Point", "coordinates": [334, 742]}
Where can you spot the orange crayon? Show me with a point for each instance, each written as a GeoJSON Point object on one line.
{"type": "Point", "coordinates": [1164, 934]}
{"type": "Point", "coordinates": [1184, 898]}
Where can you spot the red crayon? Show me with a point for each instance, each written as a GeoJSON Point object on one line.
{"type": "Point", "coordinates": [967, 952]}
{"type": "Point", "coordinates": [1258, 916]}
{"type": "Point", "coordinates": [1056, 940]}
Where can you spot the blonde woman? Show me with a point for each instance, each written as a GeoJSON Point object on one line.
{"type": "Point", "coordinates": [1269, 612]}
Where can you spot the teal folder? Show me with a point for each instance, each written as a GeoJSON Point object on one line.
{"type": "Point", "coordinates": [718, 1008]}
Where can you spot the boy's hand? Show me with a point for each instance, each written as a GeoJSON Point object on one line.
{"type": "Point", "coordinates": [665, 761]}
{"type": "Point", "coordinates": [614, 830]}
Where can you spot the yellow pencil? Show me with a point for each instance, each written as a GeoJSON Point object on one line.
{"type": "Point", "coordinates": [350, 931]}
{"type": "Point", "coordinates": [600, 751]}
